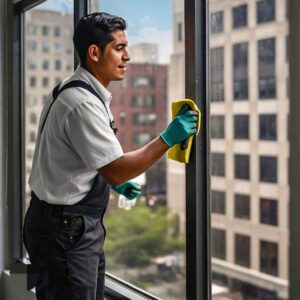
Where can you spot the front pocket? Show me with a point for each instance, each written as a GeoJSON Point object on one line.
{"type": "Point", "coordinates": [73, 231]}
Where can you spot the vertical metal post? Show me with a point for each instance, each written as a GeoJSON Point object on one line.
{"type": "Point", "coordinates": [197, 171]}
{"type": "Point", "coordinates": [80, 10]}
{"type": "Point", "coordinates": [294, 162]}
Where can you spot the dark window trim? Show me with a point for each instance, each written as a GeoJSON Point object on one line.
{"type": "Point", "coordinates": [294, 161]}
{"type": "Point", "coordinates": [198, 259]}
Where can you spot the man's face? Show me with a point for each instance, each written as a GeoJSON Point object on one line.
{"type": "Point", "coordinates": [112, 63]}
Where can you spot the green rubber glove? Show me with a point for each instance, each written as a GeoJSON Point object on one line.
{"type": "Point", "coordinates": [183, 126]}
{"type": "Point", "coordinates": [129, 189]}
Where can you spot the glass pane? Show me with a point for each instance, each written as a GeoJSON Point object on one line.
{"type": "Point", "coordinates": [249, 153]}
{"type": "Point", "coordinates": [145, 245]}
{"type": "Point", "coordinates": [48, 58]}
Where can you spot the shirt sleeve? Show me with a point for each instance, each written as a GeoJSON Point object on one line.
{"type": "Point", "coordinates": [89, 133]}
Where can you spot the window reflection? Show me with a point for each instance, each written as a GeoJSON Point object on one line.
{"type": "Point", "coordinates": [249, 65]}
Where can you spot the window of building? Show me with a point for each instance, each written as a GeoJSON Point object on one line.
{"type": "Point", "coordinates": [217, 22]}
{"type": "Point", "coordinates": [242, 250]}
{"type": "Point", "coordinates": [33, 118]}
{"type": "Point", "coordinates": [268, 169]}
{"type": "Point", "coordinates": [241, 166]}
{"type": "Point", "coordinates": [31, 29]}
{"type": "Point", "coordinates": [45, 65]}
{"type": "Point", "coordinates": [45, 81]}
{"type": "Point", "coordinates": [58, 48]}
{"type": "Point", "coordinates": [267, 127]}
{"type": "Point", "coordinates": [241, 127]}
{"type": "Point", "coordinates": [218, 243]}
{"type": "Point", "coordinates": [143, 101]}
{"type": "Point", "coordinates": [141, 138]}
{"type": "Point", "coordinates": [32, 81]}
{"type": "Point", "coordinates": [144, 119]}
{"type": "Point", "coordinates": [32, 137]}
{"type": "Point", "coordinates": [266, 69]}
{"type": "Point", "coordinates": [218, 205]}
{"type": "Point", "coordinates": [31, 63]}
{"type": "Point", "coordinates": [56, 31]}
{"type": "Point", "coordinates": [242, 206]}
{"type": "Point", "coordinates": [265, 11]}
{"type": "Point", "coordinates": [46, 46]}
{"type": "Point", "coordinates": [217, 74]}
{"type": "Point", "coordinates": [287, 48]}
{"type": "Point", "coordinates": [57, 65]}
{"type": "Point", "coordinates": [269, 258]}
{"type": "Point", "coordinates": [143, 81]}
{"type": "Point", "coordinates": [217, 127]}
{"type": "Point", "coordinates": [239, 16]}
{"type": "Point", "coordinates": [179, 32]}
{"type": "Point", "coordinates": [240, 71]}
{"type": "Point", "coordinates": [45, 30]}
{"type": "Point", "coordinates": [31, 45]}
{"type": "Point", "coordinates": [268, 211]}
{"type": "Point", "coordinates": [218, 164]}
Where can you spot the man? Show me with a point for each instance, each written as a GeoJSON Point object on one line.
{"type": "Point", "coordinates": [77, 159]}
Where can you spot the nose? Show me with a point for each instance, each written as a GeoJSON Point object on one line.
{"type": "Point", "coordinates": [126, 56]}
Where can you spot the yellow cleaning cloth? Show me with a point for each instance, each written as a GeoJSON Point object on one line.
{"type": "Point", "coordinates": [176, 153]}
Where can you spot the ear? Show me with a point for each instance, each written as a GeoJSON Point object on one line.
{"type": "Point", "coordinates": [94, 53]}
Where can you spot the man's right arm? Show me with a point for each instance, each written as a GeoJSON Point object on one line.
{"type": "Point", "coordinates": [134, 163]}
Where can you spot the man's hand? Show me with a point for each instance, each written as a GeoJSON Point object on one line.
{"type": "Point", "coordinates": [183, 126]}
{"type": "Point", "coordinates": [129, 189]}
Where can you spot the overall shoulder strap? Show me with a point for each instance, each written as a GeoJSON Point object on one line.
{"type": "Point", "coordinates": [72, 84]}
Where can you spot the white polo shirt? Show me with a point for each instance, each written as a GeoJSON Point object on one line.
{"type": "Point", "coordinates": [76, 141]}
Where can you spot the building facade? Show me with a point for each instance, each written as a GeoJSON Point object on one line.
{"type": "Point", "coordinates": [249, 109]}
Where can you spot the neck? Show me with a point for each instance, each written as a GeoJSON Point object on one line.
{"type": "Point", "coordinates": [93, 71]}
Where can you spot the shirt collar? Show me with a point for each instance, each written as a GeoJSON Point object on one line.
{"type": "Point", "coordinates": [84, 74]}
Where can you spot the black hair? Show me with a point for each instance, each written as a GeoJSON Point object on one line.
{"type": "Point", "coordinates": [95, 28]}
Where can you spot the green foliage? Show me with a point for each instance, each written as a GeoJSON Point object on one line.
{"type": "Point", "coordinates": [139, 235]}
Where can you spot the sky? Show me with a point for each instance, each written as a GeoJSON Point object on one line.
{"type": "Point", "coordinates": [149, 21]}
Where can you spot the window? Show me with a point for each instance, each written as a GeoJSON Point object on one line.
{"type": "Point", "coordinates": [141, 138]}
{"type": "Point", "coordinates": [58, 48]}
{"type": "Point", "coordinates": [33, 118]}
{"type": "Point", "coordinates": [269, 258]}
{"type": "Point", "coordinates": [31, 29]}
{"type": "Point", "coordinates": [240, 71]}
{"type": "Point", "coordinates": [218, 205]}
{"type": "Point", "coordinates": [143, 101]}
{"type": "Point", "coordinates": [217, 74]}
{"type": "Point", "coordinates": [268, 169]}
{"type": "Point", "coordinates": [217, 127]}
{"type": "Point", "coordinates": [31, 64]}
{"type": "Point", "coordinates": [217, 22]}
{"type": "Point", "coordinates": [242, 250]}
{"type": "Point", "coordinates": [266, 66]}
{"type": "Point", "coordinates": [265, 11]}
{"type": "Point", "coordinates": [45, 64]}
{"type": "Point", "coordinates": [45, 82]}
{"type": "Point", "coordinates": [268, 212]}
{"type": "Point", "coordinates": [57, 65]}
{"type": "Point", "coordinates": [45, 30]}
{"type": "Point", "coordinates": [144, 119]}
{"type": "Point", "coordinates": [241, 127]}
{"type": "Point", "coordinates": [267, 127]}
{"type": "Point", "coordinates": [45, 46]}
{"type": "Point", "coordinates": [242, 206]}
{"type": "Point", "coordinates": [32, 137]}
{"type": "Point", "coordinates": [239, 16]}
{"type": "Point", "coordinates": [56, 31]}
{"type": "Point", "coordinates": [32, 81]}
{"type": "Point", "coordinates": [218, 243]}
{"type": "Point", "coordinates": [31, 45]}
{"type": "Point", "coordinates": [143, 81]}
{"type": "Point", "coordinates": [218, 164]}
{"type": "Point", "coordinates": [179, 32]}
{"type": "Point", "coordinates": [241, 166]}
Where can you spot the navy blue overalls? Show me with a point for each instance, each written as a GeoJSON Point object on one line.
{"type": "Point", "coordinates": [65, 242]}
